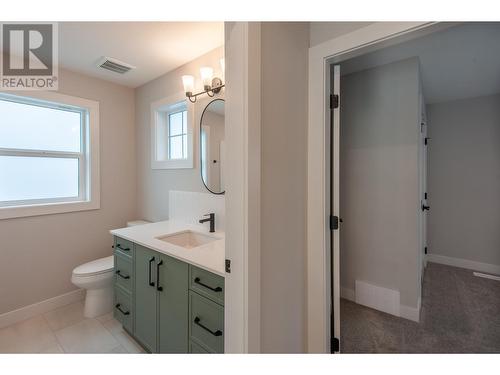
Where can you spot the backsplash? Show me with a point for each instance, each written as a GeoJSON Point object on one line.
{"type": "Point", "coordinates": [191, 206]}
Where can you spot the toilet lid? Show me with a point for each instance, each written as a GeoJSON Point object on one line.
{"type": "Point", "coordinates": [95, 267]}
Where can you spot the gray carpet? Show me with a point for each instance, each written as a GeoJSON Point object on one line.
{"type": "Point", "coordinates": [460, 314]}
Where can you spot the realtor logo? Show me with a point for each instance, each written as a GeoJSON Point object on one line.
{"type": "Point", "coordinates": [29, 56]}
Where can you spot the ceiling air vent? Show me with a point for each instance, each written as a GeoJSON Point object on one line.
{"type": "Point", "coordinates": [114, 65]}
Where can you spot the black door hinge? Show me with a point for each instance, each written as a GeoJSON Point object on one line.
{"type": "Point", "coordinates": [426, 140]}
{"type": "Point", "coordinates": [425, 250]}
{"type": "Point", "coordinates": [334, 101]}
{"type": "Point", "coordinates": [334, 222]}
{"type": "Point", "coordinates": [228, 265]}
{"type": "Point", "coordinates": [334, 345]}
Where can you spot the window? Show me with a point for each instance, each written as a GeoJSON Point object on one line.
{"type": "Point", "coordinates": [171, 134]}
{"type": "Point", "coordinates": [45, 154]}
{"type": "Point", "coordinates": [177, 135]}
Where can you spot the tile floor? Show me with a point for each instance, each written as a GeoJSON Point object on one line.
{"type": "Point", "coordinates": [66, 330]}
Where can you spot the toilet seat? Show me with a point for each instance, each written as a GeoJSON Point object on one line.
{"type": "Point", "coordinates": [95, 267]}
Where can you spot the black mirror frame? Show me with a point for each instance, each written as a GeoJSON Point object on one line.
{"type": "Point", "coordinates": [201, 122]}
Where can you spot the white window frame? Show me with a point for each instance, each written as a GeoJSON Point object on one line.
{"type": "Point", "coordinates": [159, 117]}
{"type": "Point", "coordinates": [88, 158]}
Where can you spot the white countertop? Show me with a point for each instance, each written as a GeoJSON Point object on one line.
{"type": "Point", "coordinates": [210, 256]}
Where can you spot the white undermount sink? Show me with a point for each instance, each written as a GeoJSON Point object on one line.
{"type": "Point", "coordinates": [187, 239]}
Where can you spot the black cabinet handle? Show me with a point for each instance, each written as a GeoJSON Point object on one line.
{"type": "Point", "coordinates": [122, 276]}
{"type": "Point", "coordinates": [216, 289]}
{"type": "Point", "coordinates": [151, 283]}
{"type": "Point", "coordinates": [120, 310]}
{"type": "Point", "coordinates": [122, 248]}
{"type": "Point", "coordinates": [158, 287]}
{"type": "Point", "coordinates": [215, 333]}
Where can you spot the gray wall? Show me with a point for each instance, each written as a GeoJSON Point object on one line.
{"type": "Point", "coordinates": [464, 179]}
{"type": "Point", "coordinates": [38, 254]}
{"type": "Point", "coordinates": [322, 31]}
{"type": "Point", "coordinates": [379, 178]}
{"type": "Point", "coordinates": [154, 185]}
{"type": "Point", "coordinates": [284, 177]}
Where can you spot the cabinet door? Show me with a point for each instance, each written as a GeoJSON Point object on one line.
{"type": "Point", "coordinates": [146, 297]}
{"type": "Point", "coordinates": [173, 283]}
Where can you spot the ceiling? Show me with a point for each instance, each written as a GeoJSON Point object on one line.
{"type": "Point", "coordinates": [154, 48]}
{"type": "Point", "coordinates": [460, 62]}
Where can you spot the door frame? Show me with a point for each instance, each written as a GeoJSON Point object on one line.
{"type": "Point", "coordinates": [318, 210]}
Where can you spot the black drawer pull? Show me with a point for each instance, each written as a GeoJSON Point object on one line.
{"type": "Point", "coordinates": [158, 287]}
{"type": "Point", "coordinates": [216, 333]}
{"type": "Point", "coordinates": [120, 310]}
{"type": "Point", "coordinates": [198, 281]}
{"type": "Point", "coordinates": [151, 283]}
{"type": "Point", "coordinates": [122, 248]}
{"type": "Point", "coordinates": [122, 276]}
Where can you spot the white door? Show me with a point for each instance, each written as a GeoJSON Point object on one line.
{"type": "Point", "coordinates": [334, 208]}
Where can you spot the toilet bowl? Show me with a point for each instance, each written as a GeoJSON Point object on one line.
{"type": "Point", "coordinates": [97, 278]}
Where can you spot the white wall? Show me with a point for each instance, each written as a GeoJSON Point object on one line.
{"type": "Point", "coordinates": [379, 182]}
{"type": "Point", "coordinates": [154, 185]}
{"type": "Point", "coordinates": [38, 254]}
{"type": "Point", "coordinates": [464, 179]}
{"type": "Point", "coordinates": [284, 177]}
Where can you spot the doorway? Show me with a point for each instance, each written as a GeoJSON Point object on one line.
{"type": "Point", "coordinates": [389, 100]}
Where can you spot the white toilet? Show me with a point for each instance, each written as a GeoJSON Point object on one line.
{"type": "Point", "coordinates": [97, 278]}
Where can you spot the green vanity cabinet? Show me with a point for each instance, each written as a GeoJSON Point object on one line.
{"type": "Point", "coordinates": [146, 305]}
{"type": "Point", "coordinates": [173, 309]}
{"type": "Point", "coordinates": [167, 305]}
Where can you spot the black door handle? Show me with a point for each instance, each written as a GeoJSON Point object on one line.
{"type": "Point", "coordinates": [120, 310]}
{"type": "Point", "coordinates": [216, 289]}
{"type": "Point", "coordinates": [122, 276]}
{"type": "Point", "coordinates": [158, 287]}
{"type": "Point", "coordinates": [424, 207]}
{"type": "Point", "coordinates": [122, 248]}
{"type": "Point", "coordinates": [151, 283]}
{"type": "Point", "coordinates": [215, 333]}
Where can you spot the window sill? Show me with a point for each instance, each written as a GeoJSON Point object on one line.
{"type": "Point", "coordinates": [47, 209]}
{"type": "Point", "coordinates": [172, 164]}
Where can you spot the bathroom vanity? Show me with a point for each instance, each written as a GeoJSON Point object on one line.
{"type": "Point", "coordinates": [169, 286]}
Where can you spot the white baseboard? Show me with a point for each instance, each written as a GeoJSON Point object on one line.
{"type": "Point", "coordinates": [403, 311]}
{"type": "Point", "coordinates": [38, 308]}
{"type": "Point", "coordinates": [348, 294]}
{"type": "Point", "coordinates": [464, 263]}
{"type": "Point", "coordinates": [410, 313]}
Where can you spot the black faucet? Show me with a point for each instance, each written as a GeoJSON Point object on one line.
{"type": "Point", "coordinates": [212, 221]}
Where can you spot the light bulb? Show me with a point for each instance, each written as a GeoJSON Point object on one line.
{"type": "Point", "coordinates": [206, 76]}
{"type": "Point", "coordinates": [188, 82]}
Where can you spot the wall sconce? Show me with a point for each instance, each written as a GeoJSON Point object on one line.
{"type": "Point", "coordinates": [211, 85]}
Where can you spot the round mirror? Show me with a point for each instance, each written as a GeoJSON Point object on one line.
{"type": "Point", "coordinates": [212, 147]}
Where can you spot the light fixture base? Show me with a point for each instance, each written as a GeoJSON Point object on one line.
{"type": "Point", "coordinates": [216, 85]}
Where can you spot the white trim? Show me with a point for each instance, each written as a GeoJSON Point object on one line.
{"type": "Point", "coordinates": [407, 312]}
{"type": "Point", "coordinates": [165, 104]}
{"type": "Point", "coordinates": [15, 316]}
{"type": "Point", "coordinates": [411, 313]}
{"type": "Point", "coordinates": [486, 276]}
{"type": "Point", "coordinates": [92, 200]}
{"type": "Point", "coordinates": [464, 263]}
{"type": "Point", "coordinates": [242, 136]}
{"type": "Point", "coordinates": [318, 299]}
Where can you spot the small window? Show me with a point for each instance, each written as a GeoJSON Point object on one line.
{"type": "Point", "coordinates": [171, 134]}
{"type": "Point", "coordinates": [44, 154]}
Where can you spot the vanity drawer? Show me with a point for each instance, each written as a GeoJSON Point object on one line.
{"type": "Point", "coordinates": [206, 325]}
{"type": "Point", "coordinates": [122, 309]}
{"type": "Point", "coordinates": [124, 247]}
{"type": "Point", "coordinates": [197, 349]}
{"type": "Point", "coordinates": [124, 272]}
{"type": "Point", "coordinates": [207, 284]}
